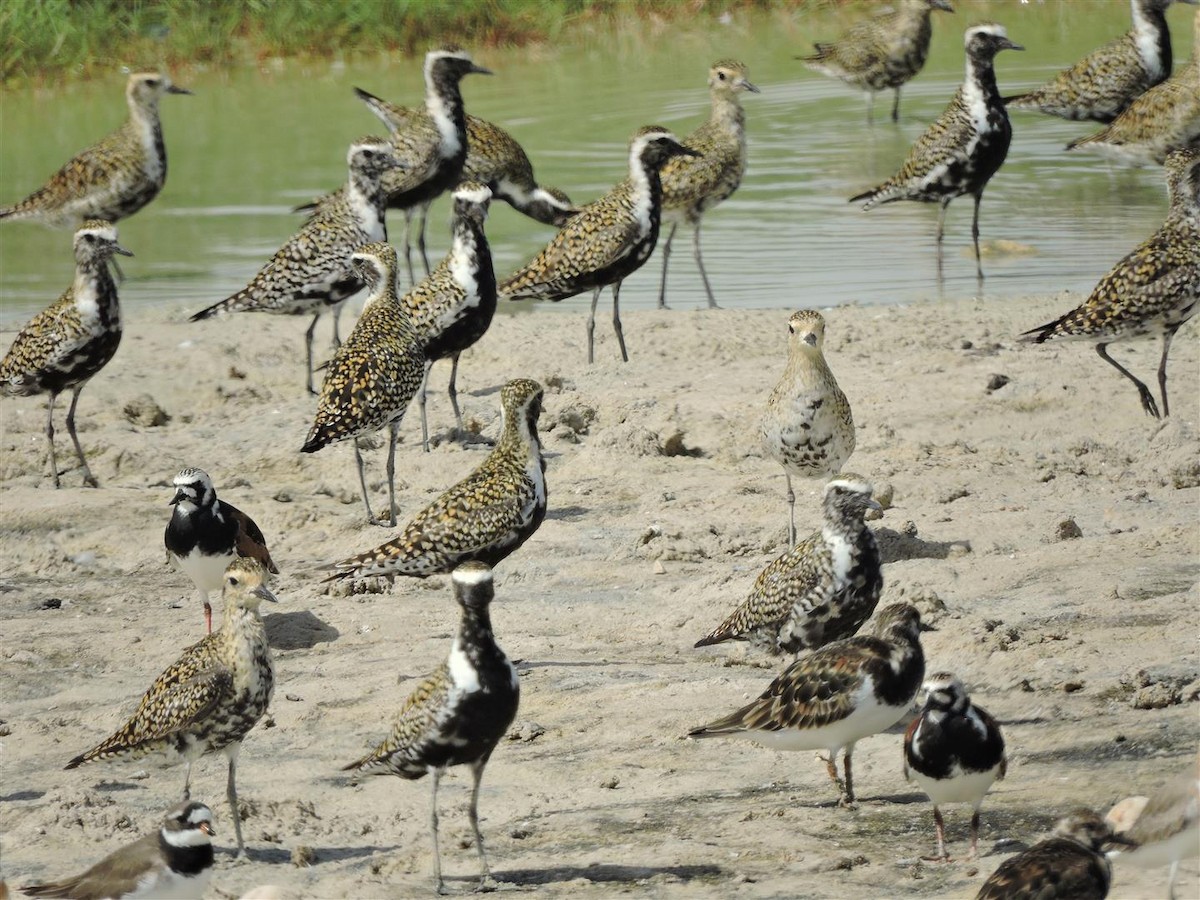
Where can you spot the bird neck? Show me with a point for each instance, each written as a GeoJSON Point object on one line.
{"type": "Point", "coordinates": [519, 436]}
{"type": "Point", "coordinates": [185, 858]}
{"type": "Point", "coordinates": [443, 102]}
{"type": "Point", "coordinates": [365, 194]}
{"type": "Point", "coordinates": [840, 522]}
{"type": "Point", "coordinates": [384, 291]}
{"type": "Point", "coordinates": [980, 82]}
{"type": "Point", "coordinates": [1152, 37]}
{"type": "Point", "coordinates": [807, 366]}
{"type": "Point", "coordinates": [469, 246]}
{"type": "Point", "coordinates": [727, 113]}
{"type": "Point", "coordinates": [95, 292]}
{"type": "Point", "coordinates": [645, 188]}
{"type": "Point", "coordinates": [242, 625]}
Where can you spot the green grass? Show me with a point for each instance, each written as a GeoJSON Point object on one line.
{"type": "Point", "coordinates": [48, 40]}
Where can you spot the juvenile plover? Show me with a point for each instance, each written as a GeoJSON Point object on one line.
{"type": "Point", "coordinates": [211, 697]}
{"type": "Point", "coordinates": [71, 340]}
{"type": "Point", "coordinates": [883, 52]}
{"type": "Point", "coordinates": [1165, 118]}
{"type": "Point", "coordinates": [837, 695]}
{"type": "Point", "coordinates": [374, 375]}
{"type": "Point", "coordinates": [1153, 290]}
{"type": "Point", "coordinates": [175, 862]}
{"type": "Point", "coordinates": [960, 152]}
{"type": "Point", "coordinates": [1103, 84]}
{"type": "Point", "coordinates": [1070, 865]}
{"type": "Point", "coordinates": [458, 714]}
{"type": "Point", "coordinates": [494, 158]}
{"type": "Point", "coordinates": [807, 426]}
{"type": "Point", "coordinates": [114, 178]}
{"type": "Point", "coordinates": [1168, 829]}
{"type": "Point", "coordinates": [693, 185]}
{"type": "Point", "coordinates": [821, 590]}
{"type": "Point", "coordinates": [205, 534]}
{"type": "Point", "coordinates": [486, 516]}
{"type": "Point", "coordinates": [311, 272]}
{"type": "Point", "coordinates": [453, 308]}
{"type": "Point", "coordinates": [431, 145]}
{"type": "Point", "coordinates": [607, 240]}
{"type": "Point", "coordinates": [954, 751]}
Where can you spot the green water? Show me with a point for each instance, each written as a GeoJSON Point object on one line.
{"type": "Point", "coordinates": [254, 142]}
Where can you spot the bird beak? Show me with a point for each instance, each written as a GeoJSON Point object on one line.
{"type": "Point", "coordinates": [176, 499]}
{"type": "Point", "coordinates": [927, 627]}
{"type": "Point", "coordinates": [942, 5]}
{"type": "Point", "coordinates": [748, 86]}
{"type": "Point", "coordinates": [681, 150]}
{"type": "Point", "coordinates": [810, 339]}
{"type": "Point", "coordinates": [1121, 840]}
{"type": "Point", "coordinates": [207, 828]}
{"type": "Point", "coordinates": [175, 89]}
{"type": "Point", "coordinates": [264, 593]}
{"type": "Point", "coordinates": [117, 248]}
{"type": "Point", "coordinates": [1006, 44]}
{"type": "Point", "coordinates": [875, 505]}
{"type": "Point", "coordinates": [480, 70]}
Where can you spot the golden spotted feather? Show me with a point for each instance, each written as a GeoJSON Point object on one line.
{"type": "Point", "coordinates": [402, 751]}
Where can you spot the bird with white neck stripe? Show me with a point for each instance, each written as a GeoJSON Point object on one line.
{"type": "Point", "coordinates": [175, 862]}
{"type": "Point", "coordinates": [607, 240]}
{"type": "Point", "coordinates": [960, 152]}
{"type": "Point", "coordinates": [458, 714]}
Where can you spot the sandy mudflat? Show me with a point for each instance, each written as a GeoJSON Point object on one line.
{"type": "Point", "coordinates": [598, 793]}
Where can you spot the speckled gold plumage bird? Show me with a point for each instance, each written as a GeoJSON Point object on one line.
{"type": "Point", "coordinates": [114, 178]}
{"type": "Point", "coordinates": [458, 714]}
{"type": "Point", "coordinates": [210, 698]}
{"type": "Point", "coordinates": [607, 240]}
{"type": "Point", "coordinates": [486, 516]}
{"type": "Point", "coordinates": [692, 185]}
{"type": "Point", "coordinates": [71, 340]}
{"type": "Point", "coordinates": [374, 375]}
{"type": "Point", "coordinates": [1153, 290]}
{"type": "Point", "coordinates": [1103, 84]}
{"type": "Point", "coordinates": [883, 52]}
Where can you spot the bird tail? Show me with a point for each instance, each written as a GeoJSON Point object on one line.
{"type": "Point", "coordinates": [235, 303]}
{"type": "Point", "coordinates": [731, 724]}
{"type": "Point", "coordinates": [873, 197]}
{"type": "Point", "coordinates": [1086, 141]}
{"type": "Point", "coordinates": [394, 117]}
{"type": "Point", "coordinates": [716, 636]}
{"type": "Point", "coordinates": [823, 49]}
{"type": "Point", "coordinates": [1042, 333]}
{"type": "Point", "coordinates": [1017, 100]}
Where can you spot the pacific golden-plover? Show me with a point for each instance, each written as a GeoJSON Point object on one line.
{"type": "Point", "coordinates": [881, 53]}
{"type": "Point", "coordinates": [1167, 829]}
{"type": "Point", "coordinates": [311, 272]}
{"type": "Point", "coordinates": [212, 696]}
{"type": "Point", "coordinates": [1165, 118]}
{"type": "Point", "coordinates": [494, 158]}
{"type": "Point", "coordinates": [114, 178]}
{"type": "Point", "coordinates": [821, 590]}
{"type": "Point", "coordinates": [960, 152]}
{"type": "Point", "coordinates": [453, 308]}
{"type": "Point", "coordinates": [954, 751]}
{"type": "Point", "coordinates": [374, 375]}
{"type": "Point", "coordinates": [693, 185]}
{"type": "Point", "coordinates": [431, 144]}
{"type": "Point", "coordinates": [205, 534]}
{"type": "Point", "coordinates": [807, 427]}
{"type": "Point", "coordinates": [1070, 864]}
{"type": "Point", "coordinates": [486, 516]}
{"type": "Point", "coordinates": [71, 340]}
{"type": "Point", "coordinates": [175, 861]}
{"type": "Point", "coordinates": [1153, 290]}
{"type": "Point", "coordinates": [835, 696]}
{"type": "Point", "coordinates": [458, 714]}
{"type": "Point", "coordinates": [1103, 84]}
{"type": "Point", "coordinates": [607, 240]}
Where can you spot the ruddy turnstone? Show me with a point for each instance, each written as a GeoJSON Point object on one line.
{"type": "Point", "coordinates": [835, 696]}
{"type": "Point", "coordinates": [821, 590]}
{"type": "Point", "coordinates": [205, 534]}
{"type": "Point", "coordinates": [458, 714]}
{"type": "Point", "coordinates": [954, 751]}
{"type": "Point", "coordinates": [607, 240]}
{"type": "Point", "coordinates": [807, 426]}
{"type": "Point", "coordinates": [211, 697]}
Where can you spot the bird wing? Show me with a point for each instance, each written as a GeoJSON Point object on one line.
{"type": "Point", "coordinates": [686, 179]}
{"type": "Point", "coordinates": [89, 174]}
{"type": "Point", "coordinates": [1103, 76]}
{"type": "Point", "coordinates": [117, 875]}
{"type": "Point", "coordinates": [250, 540]}
{"type": "Point", "coordinates": [1054, 868]}
{"type": "Point", "coordinates": [947, 138]}
{"type": "Point", "coordinates": [416, 720]}
{"type": "Point", "coordinates": [42, 341]}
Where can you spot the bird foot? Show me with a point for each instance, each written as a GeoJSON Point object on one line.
{"type": "Point", "coordinates": [487, 884]}
{"type": "Point", "coordinates": [846, 801]}
{"type": "Point", "coordinates": [937, 859]}
{"type": "Point", "coordinates": [383, 521]}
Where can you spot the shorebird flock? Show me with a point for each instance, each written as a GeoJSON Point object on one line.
{"type": "Point", "coordinates": [842, 686]}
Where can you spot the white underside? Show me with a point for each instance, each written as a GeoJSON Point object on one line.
{"type": "Point", "coordinates": [867, 718]}
{"type": "Point", "coordinates": [1185, 845]}
{"type": "Point", "coordinates": [962, 788]}
{"type": "Point", "coordinates": [167, 885]}
{"type": "Point", "coordinates": [206, 572]}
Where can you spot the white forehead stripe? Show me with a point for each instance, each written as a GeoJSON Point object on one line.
{"type": "Point", "coordinates": [994, 30]}
{"type": "Point", "coordinates": [475, 195]}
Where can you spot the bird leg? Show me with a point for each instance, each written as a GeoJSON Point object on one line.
{"type": "Point", "coordinates": [88, 478]}
{"type": "Point", "coordinates": [337, 315]}
{"type": "Point", "coordinates": [485, 876]}
{"type": "Point", "coordinates": [187, 783]}
{"type": "Point", "coordinates": [974, 851]}
{"type": "Point", "coordinates": [452, 390]}
{"type": "Point", "coordinates": [666, 255]}
{"type": "Point", "coordinates": [616, 292]}
{"type": "Point", "coordinates": [940, 826]}
{"type": "Point", "coordinates": [1171, 879]}
{"type": "Point", "coordinates": [421, 237]}
{"type": "Point", "coordinates": [791, 502]}
{"type": "Point", "coordinates": [1148, 403]}
{"type": "Point", "coordinates": [975, 238]}
{"type": "Point", "coordinates": [896, 106]}
{"type": "Point", "coordinates": [393, 436]}
{"type": "Point", "coordinates": [308, 355]}
{"type": "Point", "coordinates": [440, 886]}
{"type": "Point", "coordinates": [1162, 369]}
{"type": "Point", "coordinates": [362, 481]}
{"type": "Point", "coordinates": [231, 795]}
{"type": "Point", "coordinates": [207, 611]}
{"type": "Point", "coordinates": [421, 405]}
{"type": "Point", "coordinates": [50, 437]}
{"type": "Point", "coordinates": [848, 796]}
{"type": "Point", "coordinates": [412, 281]}
{"type": "Point", "coordinates": [712, 303]}
{"type": "Point", "coordinates": [831, 769]}
{"type": "Point", "coordinates": [591, 327]}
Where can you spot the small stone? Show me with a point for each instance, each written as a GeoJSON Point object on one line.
{"type": "Point", "coordinates": [1067, 530]}
{"type": "Point", "coordinates": [5, 730]}
{"type": "Point", "coordinates": [51, 603]}
{"type": "Point", "coordinates": [955, 493]}
{"type": "Point", "coordinates": [295, 698]}
{"type": "Point", "coordinates": [965, 345]}
{"type": "Point", "coordinates": [1156, 696]}
{"type": "Point", "coordinates": [659, 568]}
{"type": "Point", "coordinates": [526, 732]}
{"type": "Point", "coordinates": [610, 783]}
{"type": "Point", "coordinates": [143, 410]}
{"type": "Point", "coordinates": [284, 496]}
{"type": "Point", "coordinates": [909, 529]}
{"type": "Point", "coordinates": [958, 550]}
{"type": "Point", "coordinates": [1071, 687]}
{"type": "Point", "coordinates": [884, 494]}
{"type": "Point", "coordinates": [520, 832]}
{"type": "Point", "coordinates": [303, 856]}
{"type": "Point", "coordinates": [995, 382]}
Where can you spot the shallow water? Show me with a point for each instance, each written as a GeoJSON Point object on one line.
{"type": "Point", "coordinates": [252, 143]}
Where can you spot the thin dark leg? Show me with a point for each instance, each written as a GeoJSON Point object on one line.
{"type": "Point", "coordinates": [421, 238]}
{"type": "Point", "coordinates": [362, 481]}
{"type": "Point", "coordinates": [336, 312]}
{"type": "Point", "coordinates": [485, 875]}
{"type": "Point", "coordinates": [393, 435]}
{"type": "Point", "coordinates": [848, 796]}
{"type": "Point", "coordinates": [412, 281]}
{"type": "Point", "coordinates": [88, 478]}
{"type": "Point", "coordinates": [896, 107]}
{"type": "Point", "coordinates": [231, 795]}
{"type": "Point", "coordinates": [941, 833]}
{"type": "Point", "coordinates": [616, 292]}
{"type": "Point", "coordinates": [666, 255]}
{"type": "Point", "coordinates": [974, 835]}
{"type": "Point", "coordinates": [975, 237]}
{"type": "Point", "coordinates": [308, 354]}
{"type": "Point", "coordinates": [207, 611]}
{"type": "Point", "coordinates": [50, 438]}
{"type": "Point", "coordinates": [1162, 369]}
{"type": "Point", "coordinates": [187, 784]}
{"type": "Point", "coordinates": [712, 302]}
{"type": "Point", "coordinates": [1148, 403]}
{"type": "Point", "coordinates": [421, 405]}
{"type": "Point", "coordinates": [433, 825]}
{"type": "Point", "coordinates": [791, 502]}
{"type": "Point", "coordinates": [941, 229]}
{"type": "Point", "coordinates": [452, 390]}
{"type": "Point", "coordinates": [591, 327]}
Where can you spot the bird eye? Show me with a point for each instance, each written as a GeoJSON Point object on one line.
{"type": "Point", "coordinates": [791, 329]}
{"type": "Point", "coordinates": [721, 75]}
{"type": "Point", "coordinates": [233, 579]}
